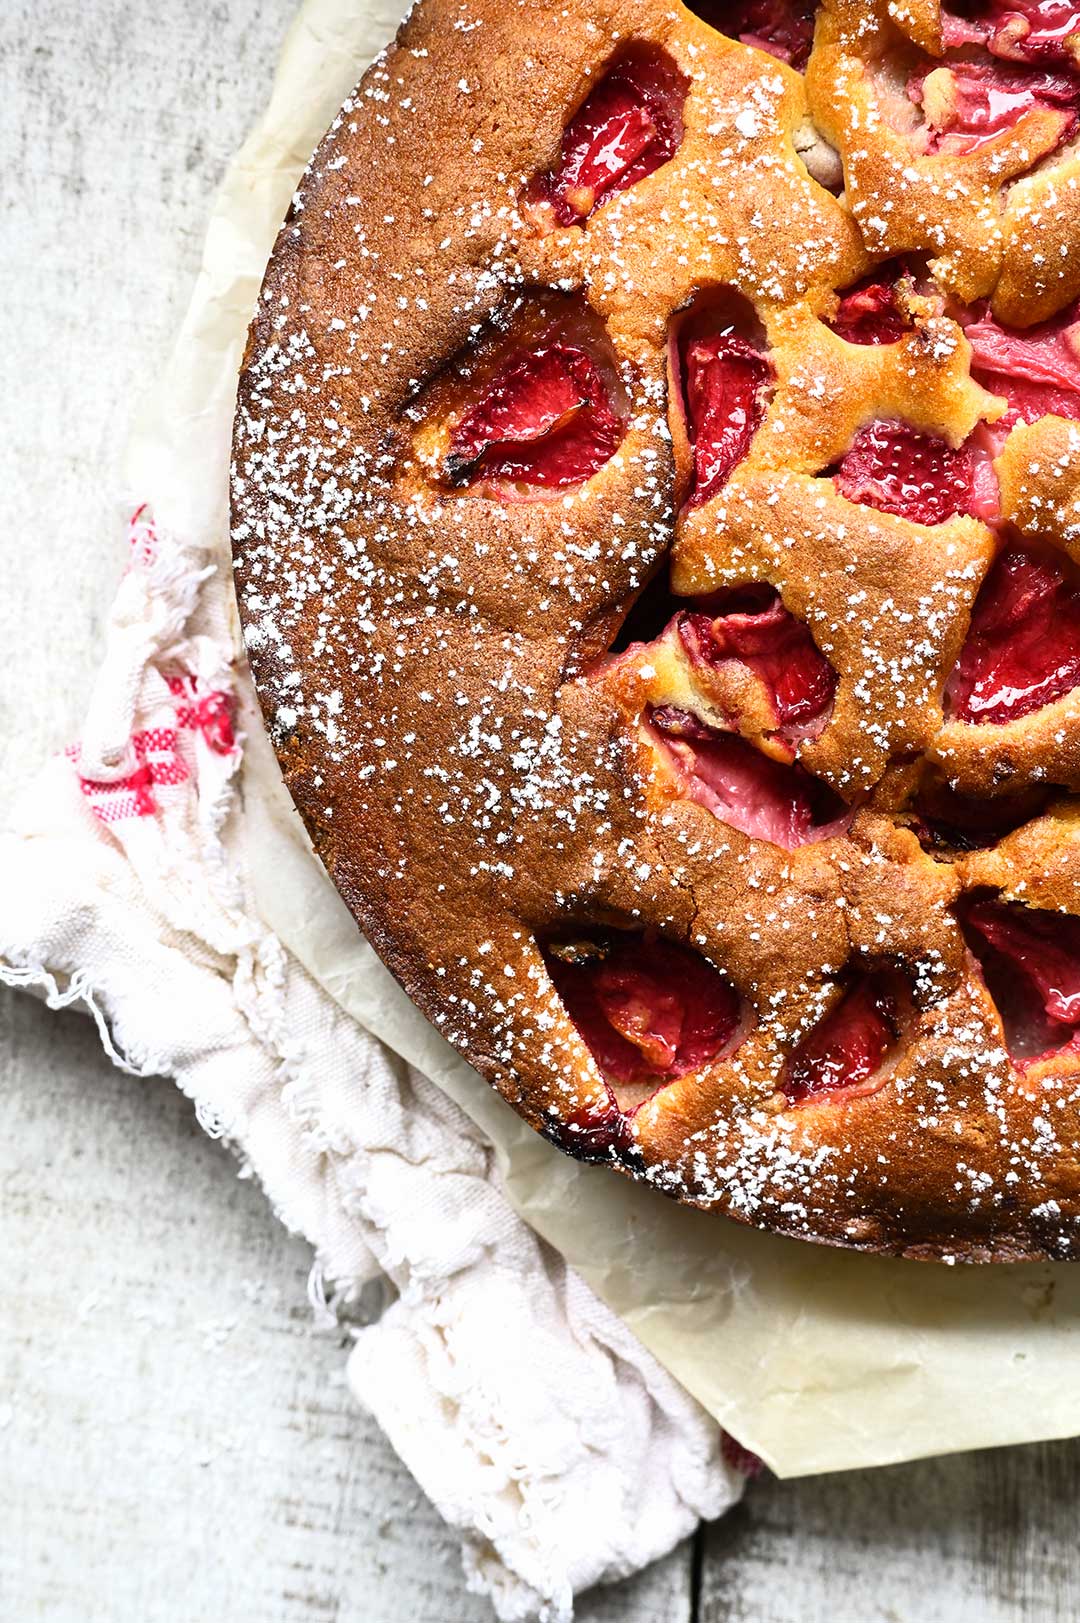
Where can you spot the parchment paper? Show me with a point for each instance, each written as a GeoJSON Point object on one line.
{"type": "Point", "coordinates": [817, 1360]}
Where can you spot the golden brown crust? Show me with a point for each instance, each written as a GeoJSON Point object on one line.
{"type": "Point", "coordinates": [977, 214]}
{"type": "Point", "coordinates": [416, 648]}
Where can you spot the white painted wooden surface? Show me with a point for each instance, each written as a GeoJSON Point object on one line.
{"type": "Point", "coordinates": [175, 1439]}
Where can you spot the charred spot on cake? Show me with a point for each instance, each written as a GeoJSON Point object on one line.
{"type": "Point", "coordinates": [593, 1134]}
{"type": "Point", "coordinates": [900, 470]}
{"type": "Point", "coordinates": [948, 823]}
{"type": "Point", "coordinates": [535, 407]}
{"type": "Point", "coordinates": [844, 1056]}
{"type": "Point", "coordinates": [1033, 31]}
{"type": "Point", "coordinates": [649, 1011]}
{"type": "Point", "coordinates": [1022, 650]}
{"type": "Point", "coordinates": [1036, 369]}
{"type": "Point", "coordinates": [765, 799]}
{"type": "Point", "coordinates": [783, 28]}
{"type": "Point", "coordinates": [630, 124]}
{"type": "Point", "coordinates": [720, 382]}
{"type": "Point", "coordinates": [1030, 963]}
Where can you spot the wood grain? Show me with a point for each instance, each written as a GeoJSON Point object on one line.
{"type": "Point", "coordinates": [975, 1538]}
{"type": "Point", "coordinates": [177, 1439]}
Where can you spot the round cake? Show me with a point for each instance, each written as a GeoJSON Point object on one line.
{"type": "Point", "coordinates": [656, 517]}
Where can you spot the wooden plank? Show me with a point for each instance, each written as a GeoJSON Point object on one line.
{"type": "Point", "coordinates": [178, 1441]}
{"type": "Point", "coordinates": [983, 1538]}
{"type": "Point", "coordinates": [661, 1594]}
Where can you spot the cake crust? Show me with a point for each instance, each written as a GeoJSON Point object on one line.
{"type": "Point", "coordinates": [481, 748]}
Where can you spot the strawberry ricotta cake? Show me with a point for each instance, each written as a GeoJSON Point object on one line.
{"type": "Point", "coordinates": [656, 514]}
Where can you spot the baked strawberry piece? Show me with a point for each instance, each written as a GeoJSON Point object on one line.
{"type": "Point", "coordinates": [965, 104]}
{"type": "Point", "coordinates": [846, 1050]}
{"type": "Point", "coordinates": [872, 312]}
{"type": "Point", "coordinates": [1023, 646]}
{"type": "Point", "coordinates": [546, 419]}
{"type": "Point", "coordinates": [649, 1010]}
{"type": "Point", "coordinates": [1030, 959]}
{"type": "Point", "coordinates": [752, 628]}
{"type": "Point", "coordinates": [721, 385]}
{"type": "Point", "coordinates": [783, 28]}
{"type": "Point", "coordinates": [1037, 369]}
{"type": "Point", "coordinates": [1017, 30]}
{"type": "Point", "coordinates": [898, 469]}
{"type": "Point", "coordinates": [626, 128]}
{"type": "Point", "coordinates": [764, 798]}
{"type": "Point", "coordinates": [727, 388]}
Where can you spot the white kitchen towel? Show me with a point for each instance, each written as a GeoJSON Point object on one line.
{"type": "Point", "coordinates": [526, 1410]}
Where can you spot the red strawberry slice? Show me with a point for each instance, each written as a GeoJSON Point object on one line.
{"type": "Point", "coordinates": [846, 1050]}
{"type": "Point", "coordinates": [897, 469]}
{"type": "Point", "coordinates": [1023, 646]}
{"type": "Point", "coordinates": [870, 312]}
{"type": "Point", "coordinates": [546, 418]}
{"type": "Point", "coordinates": [784, 28]}
{"type": "Point", "coordinates": [756, 630]}
{"type": "Point", "coordinates": [726, 387]}
{"type": "Point", "coordinates": [1037, 369]}
{"type": "Point", "coordinates": [764, 799]}
{"type": "Point", "coordinates": [1018, 30]}
{"type": "Point", "coordinates": [965, 104]}
{"type": "Point", "coordinates": [629, 125]}
{"type": "Point", "coordinates": [649, 1010]}
{"type": "Point", "coordinates": [1030, 959]}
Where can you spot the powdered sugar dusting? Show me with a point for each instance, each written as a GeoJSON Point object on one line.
{"type": "Point", "coordinates": [433, 649]}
